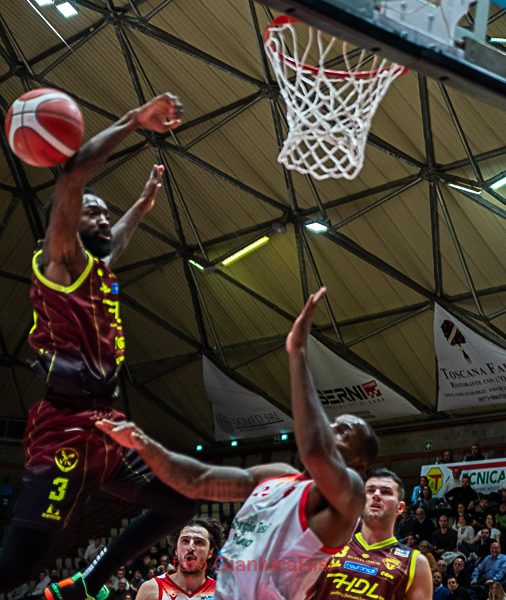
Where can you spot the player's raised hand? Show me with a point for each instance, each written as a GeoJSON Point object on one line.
{"type": "Point", "coordinates": [161, 113]}
{"type": "Point", "coordinates": [125, 433]}
{"type": "Point", "coordinates": [297, 338]}
{"type": "Point", "coordinates": [153, 185]}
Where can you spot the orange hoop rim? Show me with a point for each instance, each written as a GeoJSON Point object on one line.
{"type": "Point", "coordinates": [287, 19]}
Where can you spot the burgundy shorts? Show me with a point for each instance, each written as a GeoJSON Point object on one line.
{"type": "Point", "coordinates": [67, 457]}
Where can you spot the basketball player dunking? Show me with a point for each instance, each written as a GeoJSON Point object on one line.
{"type": "Point", "coordinates": [79, 341]}
{"type": "Point", "coordinates": [290, 522]}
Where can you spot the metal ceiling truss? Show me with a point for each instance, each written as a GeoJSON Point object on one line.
{"type": "Point", "coordinates": [129, 18]}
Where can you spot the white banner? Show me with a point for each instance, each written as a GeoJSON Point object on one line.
{"type": "Point", "coordinates": [344, 388]}
{"type": "Point", "coordinates": [238, 412]}
{"type": "Point", "coordinates": [486, 475]}
{"type": "Point", "coordinates": [471, 369]}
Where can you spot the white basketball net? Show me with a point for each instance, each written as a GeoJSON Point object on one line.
{"type": "Point", "coordinates": [329, 113]}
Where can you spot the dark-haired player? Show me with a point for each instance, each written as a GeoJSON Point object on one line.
{"type": "Point", "coordinates": [290, 522]}
{"type": "Point", "coordinates": [197, 547]}
{"type": "Point", "coordinates": [373, 564]}
{"type": "Point", "coordinates": [78, 337]}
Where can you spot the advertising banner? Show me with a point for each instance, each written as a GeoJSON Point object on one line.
{"type": "Point", "coordinates": [486, 475]}
{"type": "Point", "coordinates": [239, 412]}
{"type": "Point", "coordinates": [471, 369]}
{"type": "Point", "coordinates": [344, 388]}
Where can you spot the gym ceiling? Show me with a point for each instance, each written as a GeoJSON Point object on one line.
{"type": "Point", "coordinates": [400, 239]}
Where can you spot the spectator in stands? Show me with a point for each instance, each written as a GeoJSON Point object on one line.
{"type": "Point", "coordinates": [456, 590]}
{"type": "Point", "coordinates": [92, 549]}
{"type": "Point", "coordinates": [416, 494]}
{"type": "Point", "coordinates": [122, 587]}
{"type": "Point", "coordinates": [500, 518]}
{"type": "Point", "coordinates": [136, 581]}
{"type": "Point", "coordinates": [444, 539]}
{"type": "Point", "coordinates": [154, 555]}
{"type": "Point", "coordinates": [453, 481]}
{"type": "Point", "coordinates": [495, 534]}
{"type": "Point", "coordinates": [464, 494]}
{"type": "Point", "coordinates": [425, 501]}
{"type": "Point", "coordinates": [440, 592]}
{"type": "Point", "coordinates": [404, 525]}
{"type": "Point", "coordinates": [43, 581]}
{"type": "Point", "coordinates": [411, 541]}
{"type": "Point", "coordinates": [54, 575]}
{"type": "Point", "coordinates": [442, 567]}
{"type": "Point", "coordinates": [483, 544]}
{"type": "Point", "coordinates": [445, 458]}
{"type": "Point", "coordinates": [475, 454]}
{"type": "Point", "coordinates": [20, 592]}
{"type": "Point", "coordinates": [481, 510]}
{"type": "Point", "coordinates": [426, 549]}
{"type": "Point", "coordinates": [464, 529]}
{"type": "Point", "coordinates": [117, 577]}
{"type": "Point", "coordinates": [423, 527]}
{"type": "Point", "coordinates": [150, 574]}
{"type": "Point", "coordinates": [496, 592]}
{"type": "Point", "coordinates": [460, 571]}
{"type": "Point", "coordinates": [491, 568]}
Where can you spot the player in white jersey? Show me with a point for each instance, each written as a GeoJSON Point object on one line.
{"type": "Point", "coordinates": [290, 521]}
{"type": "Point", "coordinates": [197, 546]}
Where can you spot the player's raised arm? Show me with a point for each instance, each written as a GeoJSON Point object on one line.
{"type": "Point", "coordinates": [325, 450]}
{"type": "Point", "coordinates": [63, 257]}
{"type": "Point", "coordinates": [189, 476]}
{"type": "Point", "coordinates": [122, 230]}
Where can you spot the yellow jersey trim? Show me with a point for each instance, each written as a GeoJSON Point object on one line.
{"type": "Point", "coordinates": [377, 545]}
{"type": "Point", "coordinates": [65, 289]}
{"type": "Point", "coordinates": [412, 567]}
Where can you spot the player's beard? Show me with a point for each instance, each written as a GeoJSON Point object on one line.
{"type": "Point", "coordinates": [97, 245]}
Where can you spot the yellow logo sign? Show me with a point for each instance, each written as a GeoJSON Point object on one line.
{"type": "Point", "coordinates": [435, 477]}
{"type": "Point", "coordinates": [66, 459]}
{"type": "Point", "coordinates": [392, 563]}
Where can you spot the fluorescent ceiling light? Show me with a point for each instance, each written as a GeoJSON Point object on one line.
{"type": "Point", "coordinates": [234, 443]}
{"type": "Point", "coordinates": [44, 2]}
{"type": "Point", "coordinates": [464, 187]}
{"type": "Point", "coordinates": [499, 183]}
{"type": "Point", "coordinates": [66, 9]}
{"type": "Point", "coordinates": [316, 226]}
{"type": "Point", "coordinates": [199, 447]}
{"type": "Point", "coordinates": [196, 264]}
{"type": "Point", "coordinates": [246, 250]}
{"type": "Point", "coordinates": [497, 40]}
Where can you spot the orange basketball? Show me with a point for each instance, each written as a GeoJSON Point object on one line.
{"type": "Point", "coordinates": [44, 127]}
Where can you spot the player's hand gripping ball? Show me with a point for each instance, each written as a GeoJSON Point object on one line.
{"type": "Point", "coordinates": [44, 127]}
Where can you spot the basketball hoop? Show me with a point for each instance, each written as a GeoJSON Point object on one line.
{"type": "Point", "coordinates": [329, 112]}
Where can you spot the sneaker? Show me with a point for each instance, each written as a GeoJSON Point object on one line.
{"type": "Point", "coordinates": [73, 588]}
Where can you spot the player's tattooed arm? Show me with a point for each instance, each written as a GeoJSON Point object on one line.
{"type": "Point", "coordinates": [190, 477]}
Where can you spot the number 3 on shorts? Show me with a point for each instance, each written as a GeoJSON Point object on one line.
{"type": "Point", "coordinates": [61, 484]}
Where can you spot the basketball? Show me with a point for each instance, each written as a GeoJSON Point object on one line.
{"type": "Point", "coordinates": [44, 127]}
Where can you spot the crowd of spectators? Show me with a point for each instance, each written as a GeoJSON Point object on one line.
{"type": "Point", "coordinates": [459, 532]}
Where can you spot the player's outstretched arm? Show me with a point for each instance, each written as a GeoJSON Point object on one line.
{"type": "Point", "coordinates": [316, 443]}
{"type": "Point", "coordinates": [188, 476]}
{"type": "Point", "coordinates": [421, 587]}
{"type": "Point", "coordinates": [123, 230]}
{"type": "Point", "coordinates": [63, 253]}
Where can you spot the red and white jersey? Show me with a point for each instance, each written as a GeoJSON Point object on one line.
{"type": "Point", "coordinates": [270, 553]}
{"type": "Point", "coordinates": [169, 590]}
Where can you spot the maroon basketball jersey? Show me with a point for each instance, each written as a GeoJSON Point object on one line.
{"type": "Point", "coordinates": [77, 333]}
{"type": "Point", "coordinates": [383, 571]}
